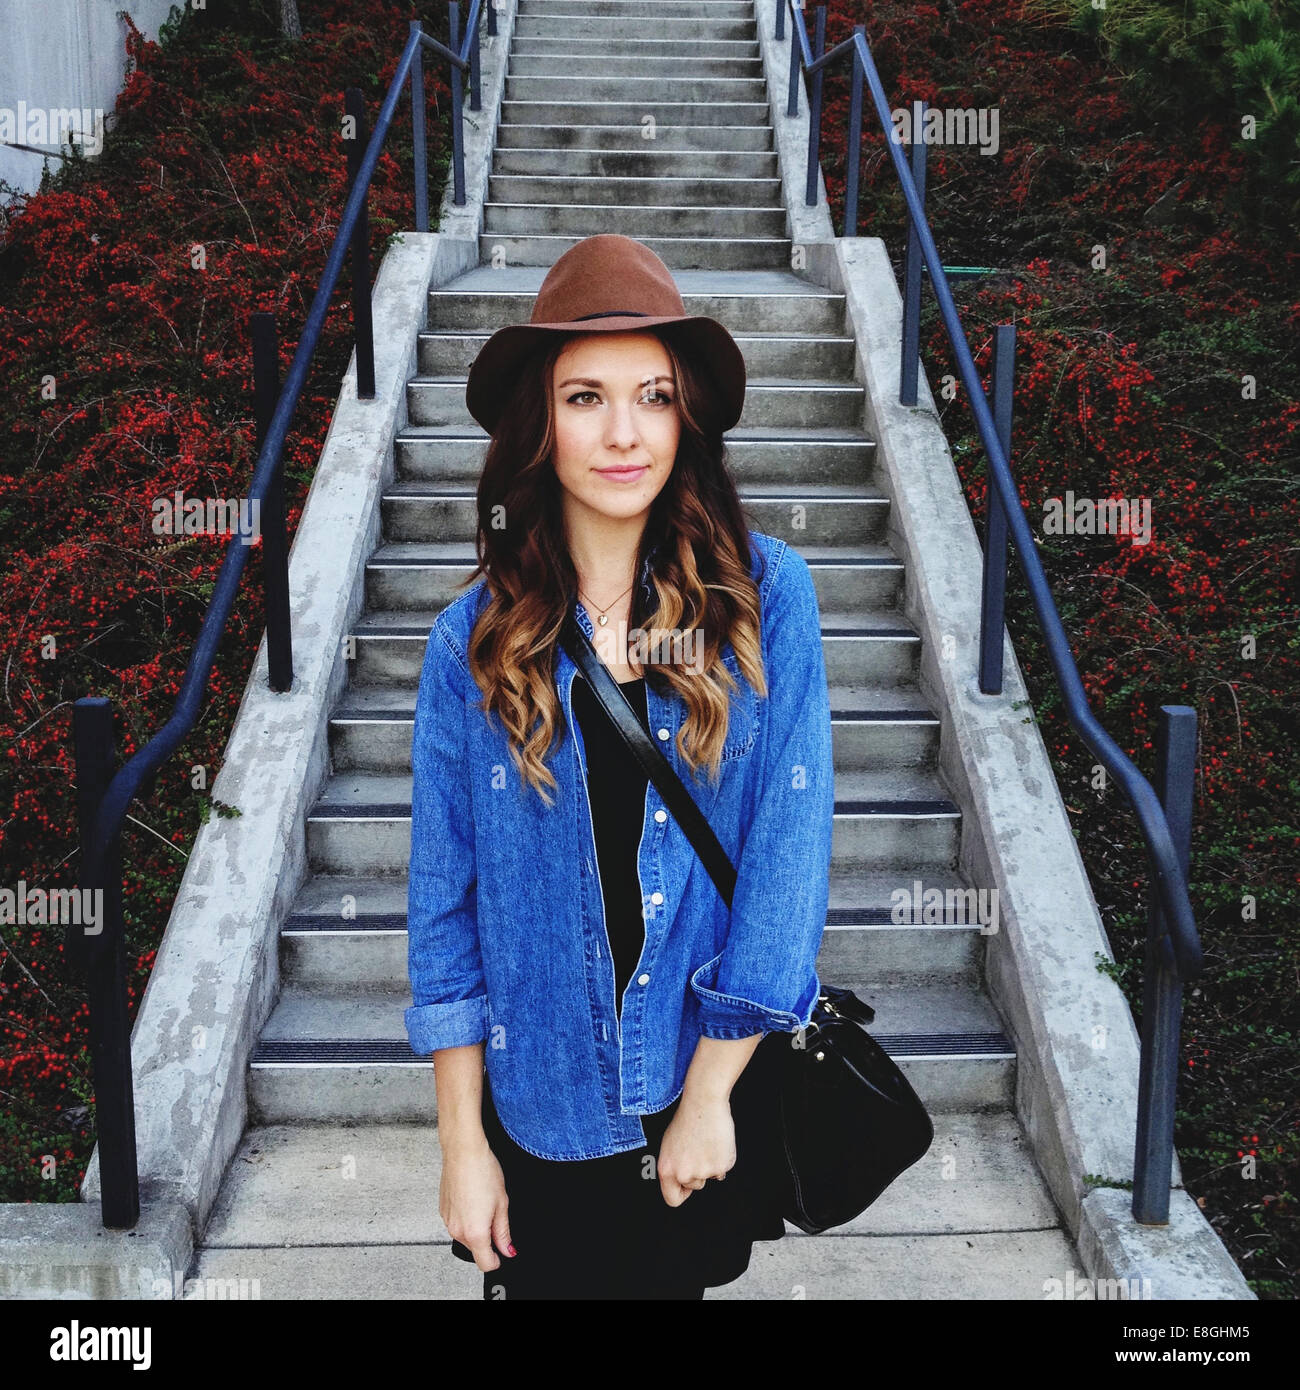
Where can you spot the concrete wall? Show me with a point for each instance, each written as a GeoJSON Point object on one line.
{"type": "Point", "coordinates": [61, 55]}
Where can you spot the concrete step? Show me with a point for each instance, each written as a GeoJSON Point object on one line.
{"type": "Point", "coordinates": [770, 403]}
{"type": "Point", "coordinates": [677, 253]}
{"type": "Point", "coordinates": [450, 352]}
{"type": "Point", "coordinates": [826, 454]}
{"type": "Point", "coordinates": [745, 301]}
{"type": "Point", "coordinates": [404, 575]}
{"type": "Point", "coordinates": [337, 1210]}
{"type": "Point", "coordinates": [654, 49]}
{"type": "Point", "coordinates": [346, 928]}
{"type": "Point", "coordinates": [341, 1055]}
{"type": "Point", "coordinates": [633, 163]}
{"type": "Point", "coordinates": [572, 63]}
{"type": "Point", "coordinates": [833, 513]}
{"type": "Point", "coordinates": [615, 29]}
{"type": "Point", "coordinates": [990, 1265]}
{"type": "Point", "coordinates": [643, 11]}
{"type": "Point", "coordinates": [634, 115]}
{"type": "Point", "coordinates": [655, 190]}
{"type": "Point", "coordinates": [624, 139]}
{"type": "Point", "coordinates": [683, 86]}
{"type": "Point", "coordinates": [371, 729]}
{"type": "Point", "coordinates": [884, 819]}
{"type": "Point", "coordinates": [878, 649]}
{"type": "Point", "coordinates": [648, 220]}
{"type": "Point", "coordinates": [287, 1188]}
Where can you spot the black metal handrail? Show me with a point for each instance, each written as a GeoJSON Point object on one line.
{"type": "Point", "coordinates": [1173, 945]}
{"type": "Point", "coordinates": [103, 796]}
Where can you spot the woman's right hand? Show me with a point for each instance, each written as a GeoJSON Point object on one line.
{"type": "Point", "coordinates": [473, 1203]}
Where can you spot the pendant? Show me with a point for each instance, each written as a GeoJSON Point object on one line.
{"type": "Point", "coordinates": [603, 620]}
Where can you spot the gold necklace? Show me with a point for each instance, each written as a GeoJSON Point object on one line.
{"type": "Point", "coordinates": [603, 620]}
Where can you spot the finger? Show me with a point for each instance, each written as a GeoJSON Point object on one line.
{"type": "Point", "coordinates": [484, 1256]}
{"type": "Point", "coordinates": [501, 1232]}
{"type": "Point", "coordinates": [674, 1193]}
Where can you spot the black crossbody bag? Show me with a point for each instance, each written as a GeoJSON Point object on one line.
{"type": "Point", "coordinates": [824, 1118]}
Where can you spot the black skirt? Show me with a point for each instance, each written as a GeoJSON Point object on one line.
{"type": "Point", "coordinates": [599, 1228]}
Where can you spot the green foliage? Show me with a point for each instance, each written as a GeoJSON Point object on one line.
{"type": "Point", "coordinates": [225, 812]}
{"type": "Point", "coordinates": [1092, 1180]}
{"type": "Point", "coordinates": [1234, 59]}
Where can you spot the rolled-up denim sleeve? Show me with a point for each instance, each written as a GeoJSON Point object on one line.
{"type": "Point", "coordinates": [445, 967]}
{"type": "Point", "coordinates": [765, 979]}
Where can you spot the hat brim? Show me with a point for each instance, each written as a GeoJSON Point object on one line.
{"type": "Point", "coordinates": [488, 386]}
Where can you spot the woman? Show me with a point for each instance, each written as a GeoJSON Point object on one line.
{"type": "Point", "coordinates": [563, 933]}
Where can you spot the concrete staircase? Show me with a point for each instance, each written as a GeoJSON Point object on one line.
{"type": "Point", "coordinates": [334, 1191]}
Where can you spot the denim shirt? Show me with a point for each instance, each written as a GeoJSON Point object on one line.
{"type": "Point", "coordinates": [507, 939]}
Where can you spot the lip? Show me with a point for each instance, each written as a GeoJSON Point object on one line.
{"type": "Point", "coordinates": [623, 475]}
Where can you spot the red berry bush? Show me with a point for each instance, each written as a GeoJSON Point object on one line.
{"type": "Point", "coordinates": [126, 287]}
{"type": "Point", "coordinates": [1154, 292]}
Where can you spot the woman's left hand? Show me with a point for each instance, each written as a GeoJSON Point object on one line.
{"type": "Point", "coordinates": [699, 1144]}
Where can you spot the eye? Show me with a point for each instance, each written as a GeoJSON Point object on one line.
{"type": "Point", "coordinates": [577, 395]}
{"type": "Point", "coordinates": [663, 398]}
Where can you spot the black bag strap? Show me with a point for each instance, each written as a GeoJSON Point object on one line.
{"type": "Point", "coordinates": [679, 801]}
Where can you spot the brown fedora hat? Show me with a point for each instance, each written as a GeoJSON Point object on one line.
{"type": "Point", "coordinates": [606, 284]}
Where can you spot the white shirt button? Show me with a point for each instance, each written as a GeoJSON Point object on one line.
{"type": "Point", "coordinates": [661, 816]}
{"type": "Point", "coordinates": [663, 735]}
{"type": "Point", "coordinates": [643, 979]}
{"type": "Point", "coordinates": [656, 898]}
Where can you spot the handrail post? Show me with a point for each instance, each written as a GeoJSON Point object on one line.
{"type": "Point", "coordinates": [475, 59]}
{"type": "Point", "coordinates": [815, 110]}
{"type": "Point", "coordinates": [780, 19]}
{"type": "Point", "coordinates": [993, 597]}
{"type": "Point", "coordinates": [492, 18]}
{"type": "Point", "coordinates": [792, 95]}
{"type": "Point", "coordinates": [855, 141]}
{"type": "Point", "coordinates": [101, 953]}
{"type": "Point", "coordinates": [275, 540]}
{"type": "Point", "coordinates": [363, 329]}
{"type": "Point", "coordinates": [910, 364]}
{"type": "Point", "coordinates": [457, 142]}
{"type": "Point", "coordinates": [418, 144]}
{"type": "Point", "coordinates": [1162, 990]}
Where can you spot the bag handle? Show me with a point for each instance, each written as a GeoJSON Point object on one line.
{"type": "Point", "coordinates": [679, 801]}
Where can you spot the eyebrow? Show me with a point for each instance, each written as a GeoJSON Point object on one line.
{"type": "Point", "coordinates": [591, 381]}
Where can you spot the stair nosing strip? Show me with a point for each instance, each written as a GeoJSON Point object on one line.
{"type": "Point", "coordinates": [894, 718]}
{"type": "Point", "coordinates": [920, 809]}
{"type": "Point", "coordinates": [969, 1044]}
{"type": "Point", "coordinates": [635, 207]}
{"type": "Point", "coordinates": [840, 919]}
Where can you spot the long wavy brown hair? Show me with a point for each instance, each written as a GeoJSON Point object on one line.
{"type": "Point", "coordinates": [699, 581]}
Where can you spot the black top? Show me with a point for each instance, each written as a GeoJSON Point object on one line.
{"type": "Point", "coordinates": [616, 786]}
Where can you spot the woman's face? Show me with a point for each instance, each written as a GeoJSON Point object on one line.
{"type": "Point", "coordinates": [616, 422]}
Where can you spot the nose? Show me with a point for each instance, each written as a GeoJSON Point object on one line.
{"type": "Point", "coordinates": [621, 429]}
